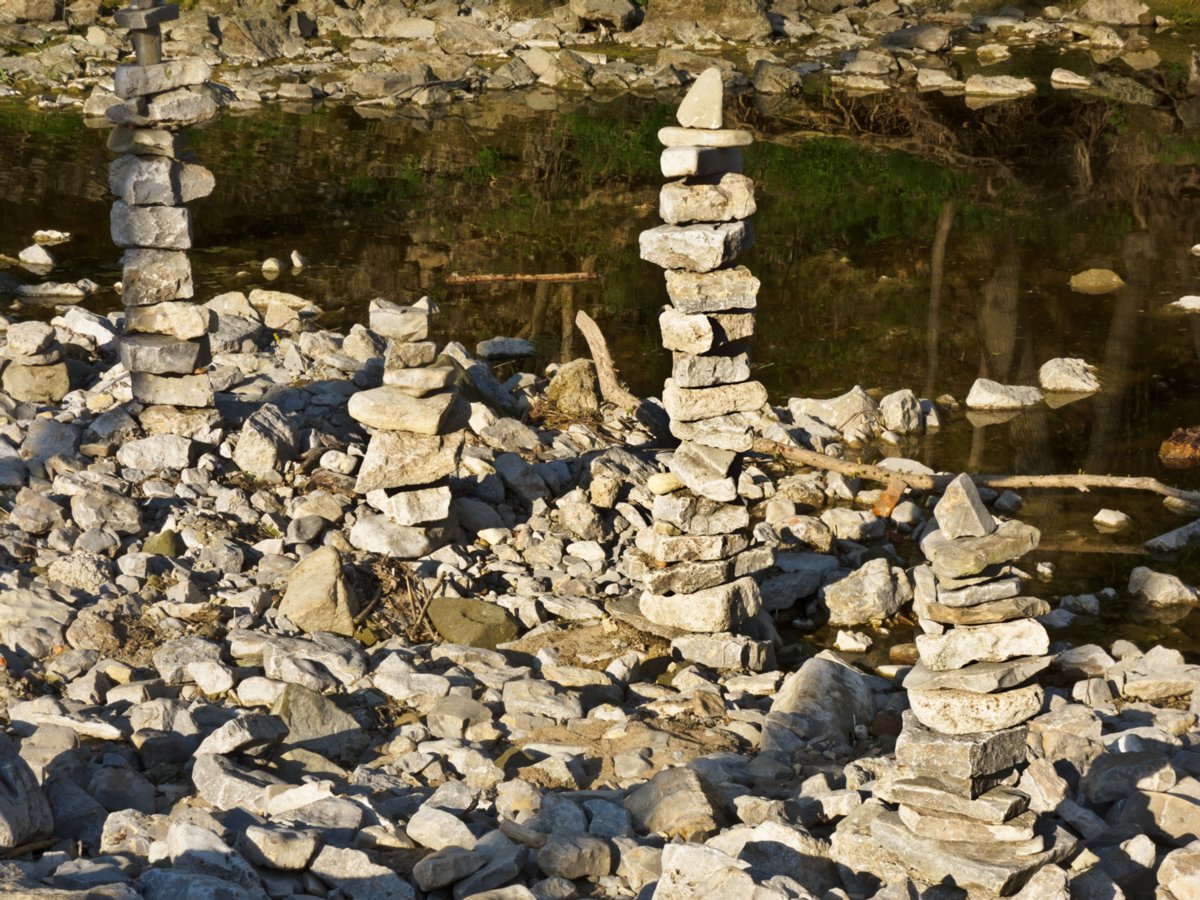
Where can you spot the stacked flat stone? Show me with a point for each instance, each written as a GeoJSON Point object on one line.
{"type": "Point", "coordinates": [699, 579]}
{"type": "Point", "coordinates": [963, 740]}
{"type": "Point", "coordinates": [165, 343]}
{"type": "Point", "coordinates": [414, 419]}
{"type": "Point", "coordinates": [34, 370]}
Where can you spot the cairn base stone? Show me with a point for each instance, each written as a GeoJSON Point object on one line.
{"type": "Point", "coordinates": [998, 804]}
{"type": "Point", "coordinates": [983, 865]}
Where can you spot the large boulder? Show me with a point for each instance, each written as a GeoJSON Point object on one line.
{"type": "Point", "coordinates": [824, 701]}
{"type": "Point", "coordinates": [319, 597]}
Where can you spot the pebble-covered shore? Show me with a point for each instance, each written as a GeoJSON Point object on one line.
{"type": "Point", "coordinates": [219, 680]}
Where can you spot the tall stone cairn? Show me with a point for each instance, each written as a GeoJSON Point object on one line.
{"type": "Point", "coordinates": [415, 419]}
{"type": "Point", "coordinates": [698, 575]}
{"type": "Point", "coordinates": [963, 743]}
{"type": "Point", "coordinates": [165, 342]}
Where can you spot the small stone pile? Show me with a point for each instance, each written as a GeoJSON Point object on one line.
{"type": "Point", "coordinates": [964, 738]}
{"type": "Point", "coordinates": [34, 370]}
{"type": "Point", "coordinates": [700, 580]}
{"type": "Point", "coordinates": [416, 421]}
{"type": "Point", "coordinates": [165, 344]}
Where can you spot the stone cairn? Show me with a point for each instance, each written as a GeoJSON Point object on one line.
{"type": "Point", "coordinates": [963, 742]}
{"type": "Point", "coordinates": [699, 578]}
{"type": "Point", "coordinates": [34, 368]}
{"type": "Point", "coordinates": [415, 419]}
{"type": "Point", "coordinates": [165, 344]}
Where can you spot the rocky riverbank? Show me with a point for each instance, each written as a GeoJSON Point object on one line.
{"type": "Point", "coordinates": [380, 56]}
{"type": "Point", "coordinates": [222, 680]}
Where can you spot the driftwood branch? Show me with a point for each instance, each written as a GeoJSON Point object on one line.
{"type": "Point", "coordinates": [610, 387]}
{"type": "Point", "coordinates": [552, 277]}
{"type": "Point", "coordinates": [653, 416]}
{"type": "Point", "coordinates": [814, 460]}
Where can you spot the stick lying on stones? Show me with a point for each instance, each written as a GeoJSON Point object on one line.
{"type": "Point", "coordinates": [555, 277]}
{"type": "Point", "coordinates": [815, 460]}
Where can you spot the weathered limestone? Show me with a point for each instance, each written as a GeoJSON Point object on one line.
{"type": "Point", "coordinates": [696, 574]}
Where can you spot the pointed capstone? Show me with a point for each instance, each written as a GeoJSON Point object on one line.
{"type": "Point", "coordinates": [701, 108]}
{"type": "Point", "coordinates": [961, 513]}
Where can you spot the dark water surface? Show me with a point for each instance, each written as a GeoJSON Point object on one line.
{"type": "Point", "coordinates": [851, 193]}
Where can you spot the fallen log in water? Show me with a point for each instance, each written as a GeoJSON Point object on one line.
{"type": "Point", "coordinates": [551, 277]}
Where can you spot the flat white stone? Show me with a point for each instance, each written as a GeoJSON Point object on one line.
{"type": "Point", "coordinates": [139, 81]}
{"type": "Point", "coordinates": [391, 408]}
{"type": "Point", "coordinates": [691, 404]}
{"type": "Point", "coordinates": [1111, 520]}
{"type": "Point", "coordinates": [722, 608]}
{"type": "Point", "coordinates": [730, 199]}
{"type": "Point", "coordinates": [999, 86]}
{"type": "Point", "coordinates": [1065, 79]}
{"type": "Point", "coordinates": [703, 137]}
{"type": "Point", "coordinates": [1068, 375]}
{"type": "Point", "coordinates": [717, 291]}
{"type": "Point", "coordinates": [938, 80]}
{"type": "Point", "coordinates": [988, 394]}
{"type": "Point", "coordinates": [968, 644]}
{"type": "Point", "coordinates": [696, 248]}
{"type": "Point", "coordinates": [683, 333]}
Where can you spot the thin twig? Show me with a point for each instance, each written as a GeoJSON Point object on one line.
{"type": "Point", "coordinates": [554, 277]}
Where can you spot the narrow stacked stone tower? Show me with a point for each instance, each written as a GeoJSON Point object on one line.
{"type": "Point", "coordinates": [963, 742]}
{"type": "Point", "coordinates": [415, 418]}
{"type": "Point", "coordinates": [698, 578]}
{"type": "Point", "coordinates": [165, 344]}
